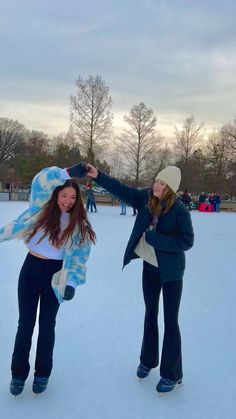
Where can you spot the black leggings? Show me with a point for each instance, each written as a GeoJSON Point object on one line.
{"type": "Point", "coordinates": [171, 358]}
{"type": "Point", "coordinates": [34, 285]}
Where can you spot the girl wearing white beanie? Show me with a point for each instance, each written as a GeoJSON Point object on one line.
{"type": "Point", "coordinates": [161, 234]}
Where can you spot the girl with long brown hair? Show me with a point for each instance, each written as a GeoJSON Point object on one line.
{"type": "Point", "coordinates": [58, 235]}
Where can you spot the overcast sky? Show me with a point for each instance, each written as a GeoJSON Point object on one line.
{"type": "Point", "coordinates": [176, 56]}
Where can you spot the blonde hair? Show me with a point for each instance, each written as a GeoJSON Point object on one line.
{"type": "Point", "coordinates": [156, 204]}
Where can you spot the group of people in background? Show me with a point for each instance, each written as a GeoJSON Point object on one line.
{"type": "Point", "coordinates": [212, 199]}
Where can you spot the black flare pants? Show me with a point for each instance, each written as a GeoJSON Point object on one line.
{"type": "Point", "coordinates": [171, 357]}
{"type": "Point", "coordinates": [34, 288]}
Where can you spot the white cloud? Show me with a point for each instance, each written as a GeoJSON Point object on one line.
{"type": "Point", "coordinates": [177, 57]}
{"type": "Point", "coordinates": [49, 118]}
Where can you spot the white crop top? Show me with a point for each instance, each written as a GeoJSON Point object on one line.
{"type": "Point", "coordinates": [45, 247]}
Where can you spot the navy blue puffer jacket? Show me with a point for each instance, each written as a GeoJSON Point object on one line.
{"type": "Point", "coordinates": [172, 237]}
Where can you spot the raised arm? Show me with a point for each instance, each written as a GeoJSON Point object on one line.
{"type": "Point", "coordinates": [42, 187]}
{"type": "Point", "coordinates": [131, 196]}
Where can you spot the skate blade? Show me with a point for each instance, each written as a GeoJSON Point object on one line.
{"type": "Point", "coordinates": [142, 379]}
{"type": "Point", "coordinates": [15, 396]}
{"type": "Point", "coordinates": [36, 395]}
{"type": "Point", "coordinates": [168, 392]}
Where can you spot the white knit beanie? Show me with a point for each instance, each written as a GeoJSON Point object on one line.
{"type": "Point", "coordinates": [171, 175]}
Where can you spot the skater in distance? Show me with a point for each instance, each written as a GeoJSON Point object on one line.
{"type": "Point", "coordinates": [161, 234]}
{"type": "Point", "coordinates": [58, 236]}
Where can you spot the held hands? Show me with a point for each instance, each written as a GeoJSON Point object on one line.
{"type": "Point", "coordinates": [82, 169]}
{"type": "Point", "coordinates": [92, 171]}
{"type": "Point", "coordinates": [69, 293]}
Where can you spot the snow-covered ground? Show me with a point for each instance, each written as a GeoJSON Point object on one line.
{"type": "Point", "coordinates": [99, 332]}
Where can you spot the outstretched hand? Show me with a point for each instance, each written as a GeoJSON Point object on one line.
{"type": "Point", "coordinates": [92, 171]}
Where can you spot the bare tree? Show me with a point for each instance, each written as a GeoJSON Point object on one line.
{"type": "Point", "coordinates": [161, 157]}
{"type": "Point", "coordinates": [138, 141]}
{"type": "Point", "coordinates": [116, 164]}
{"type": "Point", "coordinates": [188, 138]}
{"type": "Point", "coordinates": [38, 141]}
{"type": "Point", "coordinates": [217, 157]}
{"type": "Point", "coordinates": [187, 141]}
{"type": "Point", "coordinates": [228, 132]}
{"type": "Point", "coordinates": [11, 137]}
{"type": "Point", "coordinates": [198, 181]}
{"type": "Point", "coordinates": [91, 115]}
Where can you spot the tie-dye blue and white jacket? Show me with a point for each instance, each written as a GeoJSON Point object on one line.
{"type": "Point", "coordinates": [74, 263]}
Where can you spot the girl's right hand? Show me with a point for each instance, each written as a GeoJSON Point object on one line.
{"type": "Point", "coordinates": [92, 171]}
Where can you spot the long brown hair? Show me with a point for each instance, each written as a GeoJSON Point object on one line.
{"type": "Point", "coordinates": [49, 219]}
{"type": "Point", "coordinates": [160, 206]}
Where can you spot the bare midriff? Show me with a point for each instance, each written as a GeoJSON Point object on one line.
{"type": "Point", "coordinates": [37, 255]}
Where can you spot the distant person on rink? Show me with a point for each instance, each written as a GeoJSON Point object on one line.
{"type": "Point", "coordinates": [217, 202]}
{"type": "Point", "coordinates": [162, 233]}
{"type": "Point", "coordinates": [186, 199]}
{"type": "Point", "coordinates": [123, 208]}
{"type": "Point", "coordinates": [90, 199]}
{"type": "Point", "coordinates": [58, 236]}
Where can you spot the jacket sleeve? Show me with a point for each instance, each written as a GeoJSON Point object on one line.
{"type": "Point", "coordinates": [180, 241]}
{"type": "Point", "coordinates": [73, 271]}
{"type": "Point", "coordinates": [77, 265]}
{"type": "Point", "coordinates": [132, 196]}
{"type": "Point", "coordinates": [15, 228]}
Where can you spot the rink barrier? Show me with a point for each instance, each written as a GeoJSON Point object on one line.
{"type": "Point", "coordinates": [4, 196]}
{"type": "Point", "coordinates": [24, 196]}
{"type": "Point", "coordinates": [100, 199]}
{"type": "Point", "coordinates": [228, 206]}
